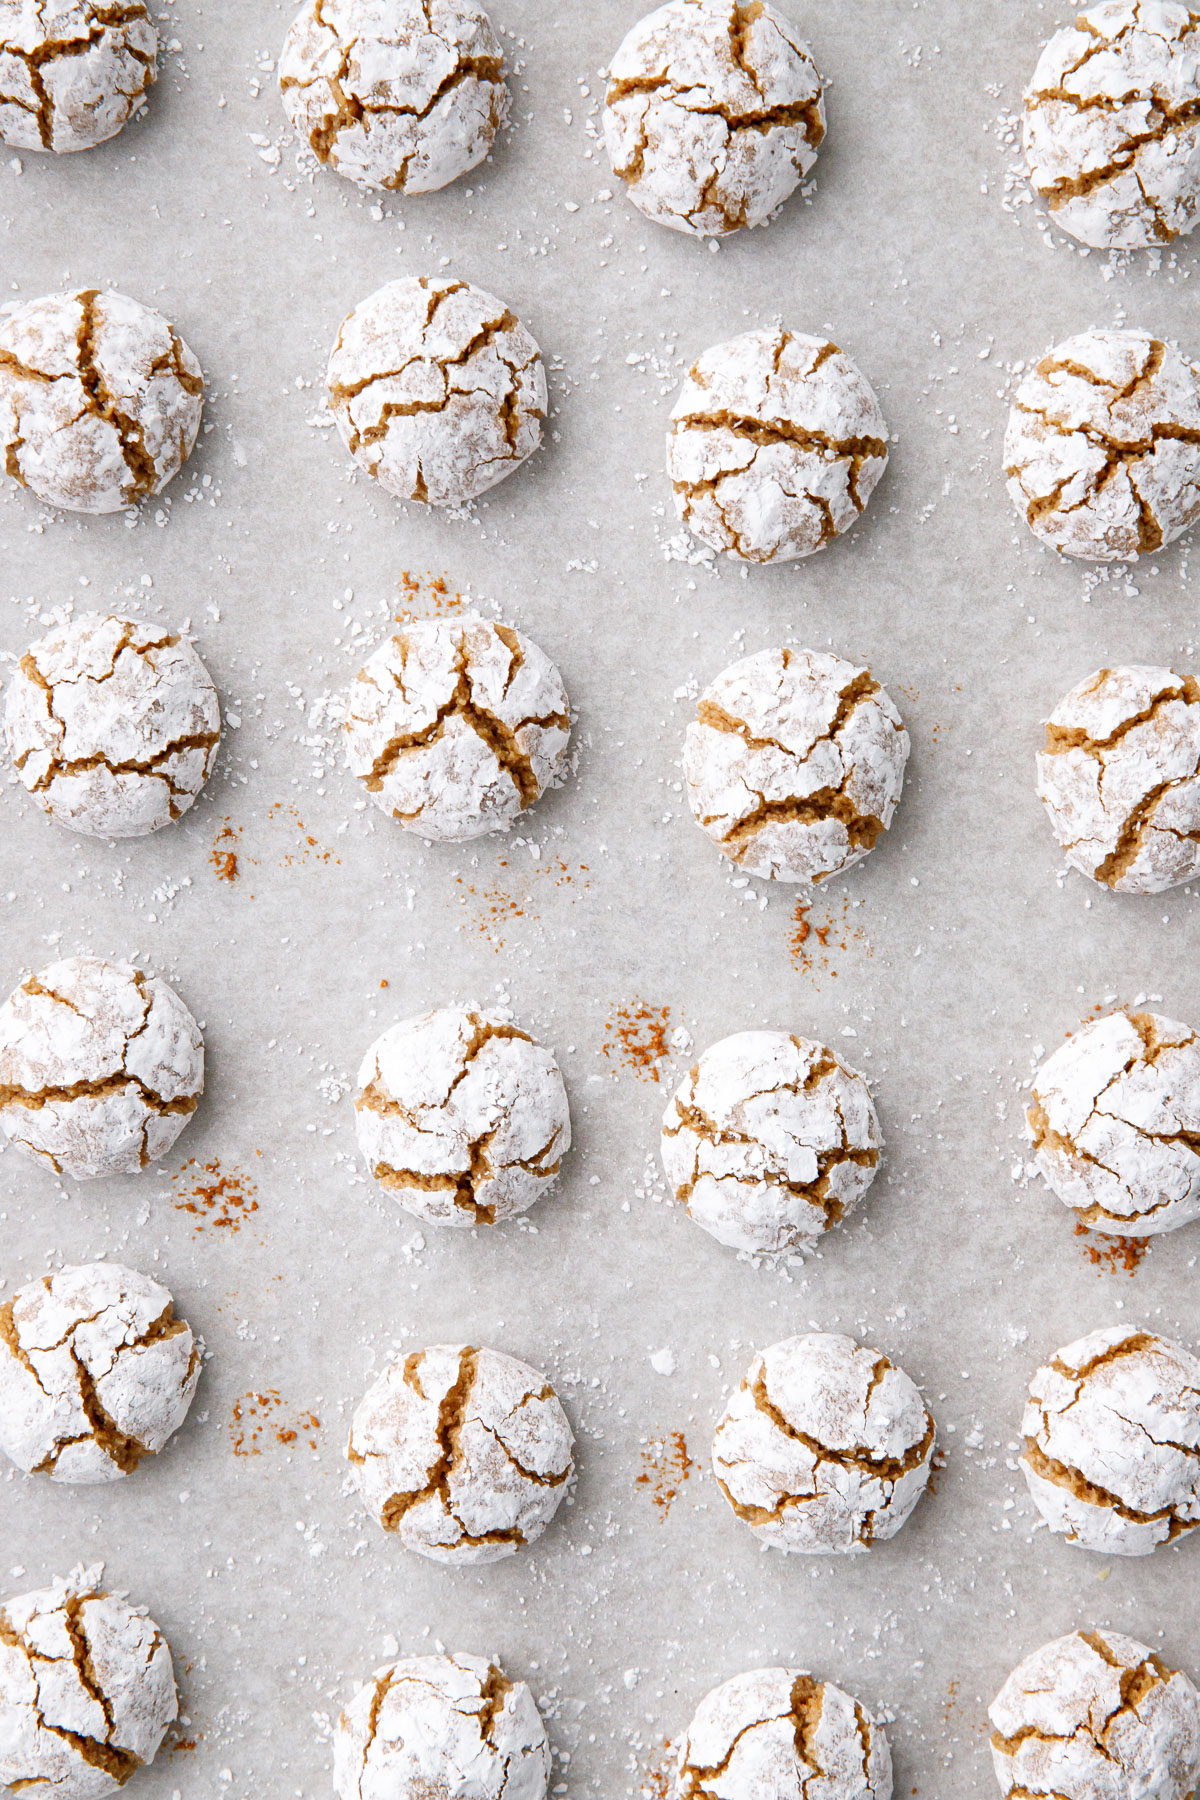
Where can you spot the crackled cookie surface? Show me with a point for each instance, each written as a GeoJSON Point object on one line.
{"type": "Point", "coordinates": [1102, 451]}
{"type": "Point", "coordinates": [770, 1140]}
{"type": "Point", "coordinates": [96, 1372]}
{"type": "Point", "coordinates": [825, 1446]}
{"type": "Point", "coordinates": [437, 389]}
{"type": "Point", "coordinates": [100, 400]}
{"type": "Point", "coordinates": [714, 112]}
{"type": "Point", "coordinates": [1115, 1119]}
{"type": "Point", "coordinates": [1112, 1442]}
{"type": "Point", "coordinates": [456, 727]}
{"type": "Point", "coordinates": [775, 446]}
{"type": "Point", "coordinates": [405, 95]}
{"type": "Point", "coordinates": [112, 725]}
{"type": "Point", "coordinates": [101, 1066]}
{"type": "Point", "coordinates": [1096, 1716]}
{"type": "Point", "coordinates": [72, 72]}
{"type": "Point", "coordinates": [462, 1117]}
{"type": "Point", "coordinates": [86, 1690]}
{"type": "Point", "coordinates": [464, 1453]}
{"type": "Point", "coordinates": [1112, 124]}
{"type": "Point", "coordinates": [452, 1726]}
{"type": "Point", "coordinates": [778, 1734]}
{"type": "Point", "coordinates": [794, 763]}
{"type": "Point", "coordinates": [1119, 777]}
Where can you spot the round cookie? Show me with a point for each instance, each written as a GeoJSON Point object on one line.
{"type": "Point", "coordinates": [1112, 1442]}
{"type": "Point", "coordinates": [1119, 777]}
{"type": "Point", "coordinates": [1115, 1119]}
{"type": "Point", "coordinates": [437, 389]}
{"type": "Point", "coordinates": [714, 113]}
{"type": "Point", "coordinates": [462, 1117]}
{"type": "Point", "coordinates": [403, 95]}
{"type": "Point", "coordinates": [465, 1454]}
{"type": "Point", "coordinates": [769, 1141]}
{"type": "Point", "coordinates": [1102, 450]}
{"type": "Point", "coordinates": [100, 400]}
{"type": "Point", "coordinates": [777, 1734]}
{"type": "Point", "coordinates": [455, 727]}
{"type": "Point", "coordinates": [87, 1690]}
{"type": "Point", "coordinates": [112, 725]}
{"type": "Point", "coordinates": [825, 1446]}
{"type": "Point", "coordinates": [1112, 124]}
{"type": "Point", "coordinates": [96, 1372]}
{"type": "Point", "coordinates": [101, 1067]}
{"type": "Point", "coordinates": [1095, 1715]}
{"type": "Point", "coordinates": [72, 72]}
{"type": "Point", "coordinates": [776, 444]}
{"type": "Point", "coordinates": [452, 1726]}
{"type": "Point", "coordinates": [794, 764]}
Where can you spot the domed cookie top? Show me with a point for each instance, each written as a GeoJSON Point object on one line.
{"type": "Point", "coordinates": [404, 95]}
{"type": "Point", "coordinates": [72, 72]}
{"type": "Point", "coordinates": [714, 112]}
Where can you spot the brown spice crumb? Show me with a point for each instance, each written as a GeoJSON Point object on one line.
{"type": "Point", "coordinates": [223, 856]}
{"type": "Point", "coordinates": [1113, 1253]}
{"type": "Point", "coordinates": [666, 1465]}
{"type": "Point", "coordinates": [308, 849]}
{"type": "Point", "coordinates": [514, 896]}
{"type": "Point", "coordinates": [636, 1036]}
{"type": "Point", "coordinates": [426, 596]}
{"type": "Point", "coordinates": [216, 1199]}
{"type": "Point", "coordinates": [255, 1421]}
{"type": "Point", "coordinates": [812, 945]}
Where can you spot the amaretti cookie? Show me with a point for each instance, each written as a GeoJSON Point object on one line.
{"type": "Point", "coordinates": [1119, 776]}
{"type": "Point", "coordinates": [100, 400]}
{"type": "Point", "coordinates": [779, 1734]}
{"type": "Point", "coordinates": [795, 763]}
{"type": "Point", "coordinates": [1094, 1715]}
{"type": "Point", "coordinates": [770, 1140]}
{"type": "Point", "coordinates": [1112, 1441]}
{"type": "Point", "coordinates": [113, 725]}
{"type": "Point", "coordinates": [776, 444]}
{"type": "Point", "coordinates": [101, 1067]}
{"type": "Point", "coordinates": [825, 1447]}
{"type": "Point", "coordinates": [714, 112]}
{"type": "Point", "coordinates": [1102, 451]}
{"type": "Point", "coordinates": [456, 726]}
{"type": "Point", "coordinates": [1115, 1121]}
{"type": "Point", "coordinates": [96, 1373]}
{"type": "Point", "coordinates": [403, 95]}
{"type": "Point", "coordinates": [455, 1727]}
{"type": "Point", "coordinates": [73, 72]}
{"type": "Point", "coordinates": [464, 1453]}
{"type": "Point", "coordinates": [1112, 124]}
{"type": "Point", "coordinates": [87, 1690]}
{"type": "Point", "coordinates": [437, 389]}
{"type": "Point", "coordinates": [462, 1117]}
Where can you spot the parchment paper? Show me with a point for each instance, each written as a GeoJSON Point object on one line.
{"type": "Point", "coordinates": [955, 952]}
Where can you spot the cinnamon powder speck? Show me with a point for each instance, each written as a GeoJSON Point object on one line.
{"type": "Point", "coordinates": [1117, 1255]}
{"type": "Point", "coordinates": [218, 1199]}
{"type": "Point", "coordinates": [666, 1465]}
{"type": "Point", "coordinates": [636, 1037]}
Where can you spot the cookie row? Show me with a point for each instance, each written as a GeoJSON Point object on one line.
{"type": "Point", "coordinates": [465, 1454]}
{"type": "Point", "coordinates": [794, 764]}
{"type": "Point", "coordinates": [776, 443]}
{"type": "Point", "coordinates": [713, 115]}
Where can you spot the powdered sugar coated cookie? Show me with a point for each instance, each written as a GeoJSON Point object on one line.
{"type": "Point", "coordinates": [402, 95]}
{"type": "Point", "coordinates": [464, 1453]}
{"type": "Point", "coordinates": [112, 725]}
{"type": "Point", "coordinates": [72, 72]}
{"type": "Point", "coordinates": [455, 727]}
{"type": "Point", "coordinates": [775, 1734]}
{"type": "Point", "coordinates": [101, 1067]}
{"type": "Point", "coordinates": [714, 112]}
{"type": "Point", "coordinates": [437, 389]}
{"type": "Point", "coordinates": [775, 447]}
